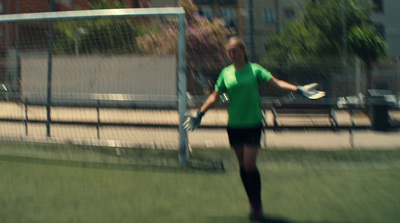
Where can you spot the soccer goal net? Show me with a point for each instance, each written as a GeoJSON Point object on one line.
{"type": "Point", "coordinates": [83, 76]}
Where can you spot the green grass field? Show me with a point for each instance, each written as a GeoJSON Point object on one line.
{"type": "Point", "coordinates": [67, 183]}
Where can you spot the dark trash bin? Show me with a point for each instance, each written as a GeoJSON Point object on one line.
{"type": "Point", "coordinates": [380, 102]}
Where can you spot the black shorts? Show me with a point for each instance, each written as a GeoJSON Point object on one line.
{"type": "Point", "coordinates": [244, 136]}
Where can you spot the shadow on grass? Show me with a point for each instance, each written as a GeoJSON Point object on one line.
{"type": "Point", "coordinates": [269, 219]}
{"type": "Point", "coordinates": [161, 165]}
{"type": "Point", "coordinates": [243, 219]}
{"type": "Point", "coordinates": [108, 158]}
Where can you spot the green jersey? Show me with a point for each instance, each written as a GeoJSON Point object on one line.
{"type": "Point", "coordinates": [242, 88]}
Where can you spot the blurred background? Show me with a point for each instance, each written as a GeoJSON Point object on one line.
{"type": "Point", "coordinates": [346, 46]}
{"type": "Point", "coordinates": [351, 48]}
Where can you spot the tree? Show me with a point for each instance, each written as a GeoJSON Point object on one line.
{"type": "Point", "coordinates": [319, 34]}
{"type": "Point", "coordinates": [367, 44]}
{"type": "Point", "coordinates": [116, 35]}
{"type": "Point", "coordinates": [327, 17]}
{"type": "Point", "coordinates": [205, 40]}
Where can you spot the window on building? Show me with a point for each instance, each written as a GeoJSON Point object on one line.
{"type": "Point", "coordinates": [229, 15]}
{"type": "Point", "coordinates": [203, 2]}
{"type": "Point", "coordinates": [135, 4]}
{"type": "Point", "coordinates": [140, 3]}
{"type": "Point", "coordinates": [381, 29]}
{"type": "Point", "coordinates": [378, 5]}
{"type": "Point", "coordinates": [269, 16]}
{"type": "Point", "coordinates": [227, 1]}
{"type": "Point", "coordinates": [206, 12]}
{"type": "Point", "coordinates": [67, 3]}
{"type": "Point", "coordinates": [1, 8]}
{"type": "Point", "coordinates": [289, 13]}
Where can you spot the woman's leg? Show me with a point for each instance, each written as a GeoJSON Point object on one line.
{"type": "Point", "coordinates": [253, 177]}
{"type": "Point", "coordinates": [247, 157]}
{"type": "Point", "coordinates": [246, 154]}
{"type": "Point", "coordinates": [250, 157]}
{"type": "Point", "coordinates": [239, 151]}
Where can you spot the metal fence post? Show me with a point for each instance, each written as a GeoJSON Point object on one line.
{"type": "Point", "coordinates": [98, 118]}
{"type": "Point", "coordinates": [49, 71]}
{"type": "Point", "coordinates": [26, 117]}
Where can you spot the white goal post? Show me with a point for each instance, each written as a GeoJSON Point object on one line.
{"type": "Point", "coordinates": [98, 13]}
{"type": "Point", "coordinates": [52, 17]}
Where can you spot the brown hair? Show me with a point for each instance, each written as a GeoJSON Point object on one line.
{"type": "Point", "coordinates": [238, 42]}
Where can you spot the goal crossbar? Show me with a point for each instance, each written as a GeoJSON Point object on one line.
{"type": "Point", "coordinates": [98, 13]}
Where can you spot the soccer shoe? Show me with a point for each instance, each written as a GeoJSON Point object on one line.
{"type": "Point", "coordinates": [257, 215]}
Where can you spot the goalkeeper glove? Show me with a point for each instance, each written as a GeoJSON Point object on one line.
{"type": "Point", "coordinates": [309, 91]}
{"type": "Point", "coordinates": [193, 120]}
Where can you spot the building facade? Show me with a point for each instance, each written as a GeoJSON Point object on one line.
{"type": "Point", "coordinates": [269, 16]}
{"type": "Point", "coordinates": [386, 18]}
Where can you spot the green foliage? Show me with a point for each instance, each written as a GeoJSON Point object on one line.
{"type": "Point", "coordinates": [205, 40]}
{"type": "Point", "coordinates": [297, 40]}
{"type": "Point", "coordinates": [107, 4]}
{"type": "Point", "coordinates": [319, 31]}
{"type": "Point", "coordinates": [327, 17]}
{"type": "Point", "coordinates": [317, 37]}
{"type": "Point", "coordinates": [366, 43]}
{"type": "Point", "coordinates": [116, 35]}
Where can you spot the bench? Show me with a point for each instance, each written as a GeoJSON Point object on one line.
{"type": "Point", "coordinates": [304, 116]}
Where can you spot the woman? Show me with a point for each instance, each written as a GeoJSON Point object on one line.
{"type": "Point", "coordinates": [240, 82]}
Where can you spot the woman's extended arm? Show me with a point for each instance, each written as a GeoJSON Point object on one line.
{"type": "Point", "coordinates": [194, 121]}
{"type": "Point", "coordinates": [307, 91]}
{"type": "Point", "coordinates": [212, 98]}
{"type": "Point", "coordinates": [282, 85]}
